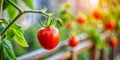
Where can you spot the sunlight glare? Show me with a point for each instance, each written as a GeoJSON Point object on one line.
{"type": "Point", "coordinates": [94, 3]}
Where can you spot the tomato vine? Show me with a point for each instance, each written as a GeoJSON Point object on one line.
{"type": "Point", "coordinates": [21, 12]}
{"type": "Point", "coordinates": [13, 30]}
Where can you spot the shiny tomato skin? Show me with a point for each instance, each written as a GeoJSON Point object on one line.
{"type": "Point", "coordinates": [97, 14]}
{"type": "Point", "coordinates": [81, 20]}
{"type": "Point", "coordinates": [48, 37]}
{"type": "Point", "coordinates": [110, 25]}
{"type": "Point", "coordinates": [73, 41]}
{"type": "Point", "coordinates": [113, 42]}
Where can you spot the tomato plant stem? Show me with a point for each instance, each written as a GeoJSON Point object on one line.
{"type": "Point", "coordinates": [50, 23]}
{"type": "Point", "coordinates": [44, 14]}
{"type": "Point", "coordinates": [2, 33]}
{"type": "Point", "coordinates": [36, 11]}
{"type": "Point", "coordinates": [1, 5]}
{"type": "Point", "coordinates": [15, 5]}
{"type": "Point", "coordinates": [48, 20]}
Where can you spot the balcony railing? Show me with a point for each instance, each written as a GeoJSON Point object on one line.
{"type": "Point", "coordinates": [71, 54]}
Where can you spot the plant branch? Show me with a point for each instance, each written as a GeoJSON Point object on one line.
{"type": "Point", "coordinates": [2, 33]}
{"type": "Point", "coordinates": [36, 11]}
{"type": "Point", "coordinates": [21, 11]}
{"type": "Point", "coordinates": [1, 7]}
{"type": "Point", "coordinates": [15, 5]}
{"type": "Point", "coordinates": [45, 14]}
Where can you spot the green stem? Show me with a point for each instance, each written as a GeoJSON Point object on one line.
{"type": "Point", "coordinates": [25, 11]}
{"type": "Point", "coordinates": [1, 5]}
{"type": "Point", "coordinates": [36, 11]}
{"type": "Point", "coordinates": [41, 23]}
{"type": "Point", "coordinates": [2, 19]}
{"type": "Point", "coordinates": [50, 23]}
{"type": "Point", "coordinates": [2, 33]}
{"type": "Point", "coordinates": [45, 14]}
{"type": "Point", "coordinates": [59, 20]}
{"type": "Point", "coordinates": [47, 21]}
{"type": "Point", "coordinates": [15, 5]}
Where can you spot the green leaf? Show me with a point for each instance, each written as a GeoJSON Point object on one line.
{"type": "Point", "coordinates": [1, 28]}
{"type": "Point", "coordinates": [44, 10]}
{"type": "Point", "coordinates": [100, 44]}
{"type": "Point", "coordinates": [66, 16]}
{"type": "Point", "coordinates": [29, 3]}
{"type": "Point", "coordinates": [96, 36]}
{"type": "Point", "coordinates": [118, 25]}
{"type": "Point", "coordinates": [15, 1]}
{"type": "Point", "coordinates": [6, 4]}
{"type": "Point", "coordinates": [8, 53]}
{"type": "Point", "coordinates": [1, 48]}
{"type": "Point", "coordinates": [9, 34]}
{"type": "Point", "coordinates": [12, 12]}
{"type": "Point", "coordinates": [18, 35]}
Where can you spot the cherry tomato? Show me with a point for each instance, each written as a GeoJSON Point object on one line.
{"type": "Point", "coordinates": [48, 37]}
{"type": "Point", "coordinates": [97, 14]}
{"type": "Point", "coordinates": [110, 24]}
{"type": "Point", "coordinates": [73, 41]}
{"type": "Point", "coordinates": [81, 20]}
{"type": "Point", "coordinates": [70, 24]}
{"type": "Point", "coordinates": [113, 42]}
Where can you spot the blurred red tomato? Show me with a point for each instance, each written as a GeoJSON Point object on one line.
{"type": "Point", "coordinates": [81, 20]}
{"type": "Point", "coordinates": [110, 24]}
{"type": "Point", "coordinates": [48, 37]}
{"type": "Point", "coordinates": [113, 42]}
{"type": "Point", "coordinates": [97, 14]}
{"type": "Point", "coordinates": [73, 41]}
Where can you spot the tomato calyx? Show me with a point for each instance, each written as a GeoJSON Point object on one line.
{"type": "Point", "coordinates": [49, 20]}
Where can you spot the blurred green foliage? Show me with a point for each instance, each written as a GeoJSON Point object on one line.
{"type": "Point", "coordinates": [84, 55]}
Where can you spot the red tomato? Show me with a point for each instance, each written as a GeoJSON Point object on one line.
{"type": "Point", "coordinates": [48, 37]}
{"type": "Point", "coordinates": [81, 20]}
{"type": "Point", "coordinates": [97, 14]}
{"type": "Point", "coordinates": [113, 42]}
{"type": "Point", "coordinates": [110, 24]}
{"type": "Point", "coordinates": [73, 41]}
{"type": "Point", "coordinates": [70, 24]}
